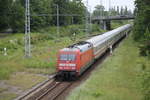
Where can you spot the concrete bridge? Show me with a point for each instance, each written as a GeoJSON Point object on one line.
{"type": "Point", "coordinates": [105, 21]}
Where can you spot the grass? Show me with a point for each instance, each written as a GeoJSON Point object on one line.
{"type": "Point", "coordinates": [118, 78]}
{"type": "Point", "coordinates": [25, 80]}
{"type": "Point", "coordinates": [43, 57]}
{"type": "Point", "coordinates": [2, 89]}
{"type": "Point", "coordinates": [24, 73]}
{"type": "Point", "coordinates": [7, 96]}
{"type": "Point", "coordinates": [17, 71]}
{"type": "Point", "coordinates": [117, 23]}
{"type": "Point", "coordinates": [44, 50]}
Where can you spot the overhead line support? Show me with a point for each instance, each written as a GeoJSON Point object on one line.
{"type": "Point", "coordinates": [27, 30]}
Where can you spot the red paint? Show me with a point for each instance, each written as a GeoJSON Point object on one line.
{"type": "Point", "coordinates": [82, 59]}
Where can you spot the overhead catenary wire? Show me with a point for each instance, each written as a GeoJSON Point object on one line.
{"type": "Point", "coordinates": [27, 22]}
{"type": "Point", "coordinates": [55, 15]}
{"type": "Point", "coordinates": [27, 25]}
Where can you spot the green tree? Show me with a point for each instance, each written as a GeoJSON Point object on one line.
{"type": "Point", "coordinates": [122, 11]}
{"type": "Point", "coordinates": [142, 25]}
{"type": "Point", "coordinates": [67, 7]}
{"type": "Point", "coordinates": [126, 11]}
{"type": "Point", "coordinates": [17, 18]}
{"type": "Point", "coordinates": [118, 10]}
{"type": "Point", "coordinates": [78, 8]}
{"type": "Point", "coordinates": [43, 13]}
{"type": "Point", "coordinates": [99, 10]}
{"type": "Point", "coordinates": [5, 8]}
{"type": "Point", "coordinates": [63, 9]}
{"type": "Point", "coordinates": [142, 20]}
{"type": "Point", "coordinates": [39, 10]}
{"type": "Point", "coordinates": [40, 13]}
{"type": "Point", "coordinates": [113, 12]}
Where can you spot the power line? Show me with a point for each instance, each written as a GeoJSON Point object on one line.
{"type": "Point", "coordinates": [56, 15]}
{"type": "Point", "coordinates": [45, 14]}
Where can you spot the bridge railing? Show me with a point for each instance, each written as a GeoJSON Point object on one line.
{"type": "Point", "coordinates": [113, 17]}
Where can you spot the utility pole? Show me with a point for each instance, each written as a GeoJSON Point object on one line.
{"type": "Point", "coordinates": [86, 16]}
{"type": "Point", "coordinates": [109, 7]}
{"type": "Point", "coordinates": [101, 3]}
{"type": "Point", "coordinates": [90, 20]}
{"type": "Point", "coordinates": [27, 30]}
{"type": "Point", "coordinates": [100, 12]}
{"type": "Point", "coordinates": [57, 20]}
{"type": "Point", "coordinates": [72, 20]}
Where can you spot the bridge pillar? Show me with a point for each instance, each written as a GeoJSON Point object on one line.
{"type": "Point", "coordinates": [101, 24]}
{"type": "Point", "coordinates": [104, 25]}
{"type": "Point", "coordinates": [107, 25]}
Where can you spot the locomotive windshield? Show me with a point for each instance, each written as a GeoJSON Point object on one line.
{"type": "Point", "coordinates": [67, 57]}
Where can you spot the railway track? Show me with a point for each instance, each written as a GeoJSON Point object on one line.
{"type": "Point", "coordinates": [37, 90]}
{"type": "Point", "coordinates": [50, 90]}
{"type": "Point", "coordinates": [47, 90]}
{"type": "Point", "coordinates": [54, 90]}
{"type": "Point", "coordinates": [41, 90]}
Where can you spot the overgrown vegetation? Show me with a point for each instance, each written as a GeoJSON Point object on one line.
{"type": "Point", "coordinates": [118, 78]}
{"type": "Point", "coordinates": [44, 49]}
{"type": "Point", "coordinates": [142, 36]}
{"type": "Point", "coordinates": [117, 23]}
{"type": "Point", "coordinates": [142, 26]}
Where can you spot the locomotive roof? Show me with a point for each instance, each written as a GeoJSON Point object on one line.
{"type": "Point", "coordinates": [82, 46]}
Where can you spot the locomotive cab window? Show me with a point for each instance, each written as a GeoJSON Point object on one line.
{"type": "Point", "coordinates": [68, 57]}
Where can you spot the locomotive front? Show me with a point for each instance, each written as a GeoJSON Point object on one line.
{"type": "Point", "coordinates": [67, 63]}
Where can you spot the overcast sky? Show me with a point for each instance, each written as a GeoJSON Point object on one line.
{"type": "Point", "coordinates": [128, 3]}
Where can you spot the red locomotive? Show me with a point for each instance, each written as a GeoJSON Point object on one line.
{"type": "Point", "coordinates": [75, 59]}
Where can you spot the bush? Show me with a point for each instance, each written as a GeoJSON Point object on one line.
{"type": "Point", "coordinates": [10, 45]}
{"type": "Point", "coordinates": [5, 72]}
{"type": "Point", "coordinates": [145, 48]}
{"type": "Point", "coordinates": [146, 84]}
{"type": "Point", "coordinates": [37, 38]}
{"type": "Point", "coordinates": [38, 63]}
{"type": "Point", "coordinates": [96, 28]}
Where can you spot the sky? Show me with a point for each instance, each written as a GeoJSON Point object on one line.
{"type": "Point", "coordinates": [128, 3]}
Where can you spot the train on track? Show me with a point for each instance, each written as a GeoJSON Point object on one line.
{"type": "Point", "coordinates": [75, 59]}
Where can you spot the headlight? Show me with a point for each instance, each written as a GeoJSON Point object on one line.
{"type": "Point", "coordinates": [71, 65]}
